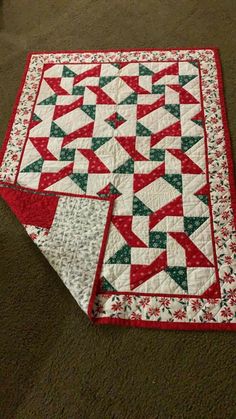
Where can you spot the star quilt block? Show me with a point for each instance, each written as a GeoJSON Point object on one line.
{"type": "Point", "coordinates": [118, 165]}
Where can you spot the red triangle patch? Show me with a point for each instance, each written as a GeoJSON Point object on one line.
{"type": "Point", "coordinates": [85, 131]}
{"type": "Point", "coordinates": [171, 70]}
{"type": "Point", "coordinates": [102, 97]}
{"type": "Point", "coordinates": [143, 179]}
{"type": "Point", "coordinates": [212, 292]}
{"type": "Point", "coordinates": [187, 165]}
{"type": "Point", "coordinates": [64, 109]}
{"type": "Point", "coordinates": [141, 273]}
{"type": "Point", "coordinates": [47, 179]}
{"type": "Point", "coordinates": [95, 164]}
{"type": "Point", "coordinates": [41, 145]}
{"type": "Point", "coordinates": [129, 144]}
{"type": "Point", "coordinates": [55, 84]}
{"type": "Point", "coordinates": [123, 223]}
{"type": "Point", "coordinates": [185, 98]}
{"type": "Point", "coordinates": [133, 82]}
{"type": "Point", "coordinates": [92, 72]}
{"type": "Point", "coordinates": [173, 208]}
{"type": "Point", "coordinates": [143, 110]}
{"type": "Point", "coordinates": [173, 130]}
{"type": "Point", "coordinates": [194, 257]}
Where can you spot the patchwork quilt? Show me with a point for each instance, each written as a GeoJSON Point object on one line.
{"type": "Point", "coordinates": [118, 165]}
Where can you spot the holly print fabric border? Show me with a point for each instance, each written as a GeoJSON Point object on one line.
{"type": "Point", "coordinates": [130, 153]}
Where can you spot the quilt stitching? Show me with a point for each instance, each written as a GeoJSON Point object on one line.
{"type": "Point", "coordinates": [217, 305]}
{"type": "Point", "coordinates": [57, 150]}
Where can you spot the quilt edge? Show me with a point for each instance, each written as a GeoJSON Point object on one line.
{"type": "Point", "coordinates": [190, 48]}
{"type": "Point", "coordinates": [228, 141]}
{"type": "Point", "coordinates": [198, 327]}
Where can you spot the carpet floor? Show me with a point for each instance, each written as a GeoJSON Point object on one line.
{"type": "Point", "coordinates": [54, 362]}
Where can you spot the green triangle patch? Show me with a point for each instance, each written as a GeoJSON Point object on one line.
{"type": "Point", "coordinates": [188, 142]}
{"type": "Point", "coordinates": [122, 256]}
{"type": "Point", "coordinates": [103, 81]}
{"type": "Point", "coordinates": [130, 100]}
{"type": "Point", "coordinates": [36, 118]}
{"type": "Point", "coordinates": [191, 224]}
{"type": "Point", "coordinates": [179, 275]}
{"type": "Point", "coordinates": [157, 154]}
{"type": "Point", "coordinates": [198, 122]}
{"type": "Point", "coordinates": [117, 65]}
{"type": "Point", "coordinates": [78, 90]}
{"type": "Point", "coordinates": [158, 89]}
{"type": "Point", "coordinates": [56, 131]}
{"type": "Point", "coordinates": [139, 208]}
{"type": "Point", "coordinates": [194, 63]}
{"type": "Point", "coordinates": [144, 71]}
{"type": "Point", "coordinates": [106, 285]}
{"type": "Point", "coordinates": [157, 239]}
{"type": "Point", "coordinates": [98, 142]}
{"type": "Point", "coordinates": [80, 179]}
{"type": "Point", "coordinates": [67, 154]}
{"type": "Point", "coordinates": [36, 166]}
{"type": "Point", "coordinates": [90, 110]}
{"type": "Point", "coordinates": [127, 167]}
{"type": "Point", "coordinates": [175, 180]}
{"type": "Point", "coordinates": [186, 79]}
{"type": "Point", "coordinates": [142, 131]}
{"type": "Point", "coordinates": [174, 110]}
{"type": "Point", "coordinates": [113, 119]}
{"type": "Point", "coordinates": [49, 101]}
{"type": "Point", "coordinates": [203, 198]}
{"type": "Point", "coordinates": [112, 191]}
{"type": "Point", "coordinates": [67, 72]}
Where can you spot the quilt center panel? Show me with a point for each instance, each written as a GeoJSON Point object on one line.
{"type": "Point", "coordinates": [134, 131]}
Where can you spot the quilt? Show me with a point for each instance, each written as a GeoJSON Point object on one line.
{"type": "Point", "coordinates": [118, 165]}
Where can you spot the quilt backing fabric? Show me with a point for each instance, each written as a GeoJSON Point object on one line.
{"type": "Point", "coordinates": [118, 165]}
